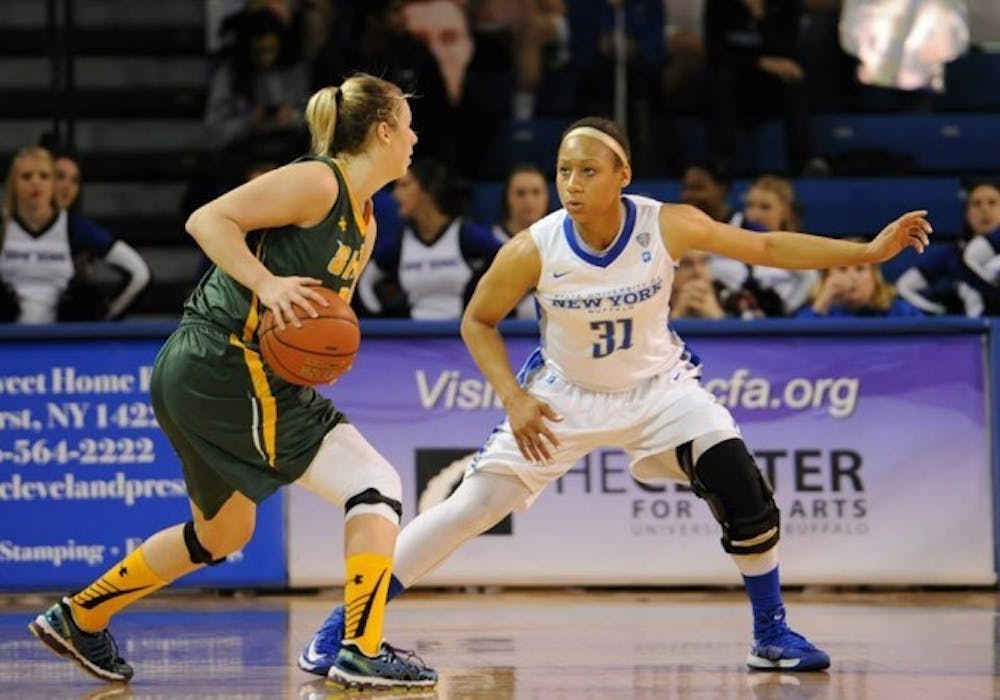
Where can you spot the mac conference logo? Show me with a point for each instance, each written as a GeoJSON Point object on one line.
{"type": "Point", "coordinates": [439, 472]}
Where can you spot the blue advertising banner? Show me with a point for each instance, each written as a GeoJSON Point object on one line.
{"type": "Point", "coordinates": [877, 447]}
{"type": "Point", "coordinates": [86, 474]}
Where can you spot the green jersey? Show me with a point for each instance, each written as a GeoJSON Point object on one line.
{"type": "Point", "coordinates": [330, 251]}
{"type": "Point", "coordinates": [211, 365]}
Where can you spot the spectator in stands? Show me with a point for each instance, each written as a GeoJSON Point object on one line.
{"type": "Point", "coordinates": [46, 252]}
{"type": "Point", "coordinates": [524, 200]}
{"type": "Point", "coordinates": [67, 182]}
{"type": "Point", "coordinates": [306, 24]}
{"type": "Point", "coordinates": [685, 48]}
{"type": "Point", "coordinates": [753, 72]}
{"type": "Point", "coordinates": [257, 94]}
{"type": "Point", "coordinates": [757, 290]}
{"type": "Point", "coordinates": [381, 45]}
{"type": "Point", "coordinates": [981, 256]}
{"type": "Point", "coordinates": [856, 291]}
{"type": "Point", "coordinates": [538, 35]}
{"type": "Point", "coordinates": [478, 75]}
{"type": "Point", "coordinates": [940, 281]}
{"type": "Point", "coordinates": [695, 294]}
{"type": "Point", "coordinates": [706, 186]}
{"type": "Point", "coordinates": [429, 269]}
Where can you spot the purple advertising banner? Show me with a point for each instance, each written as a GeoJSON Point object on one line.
{"type": "Point", "coordinates": [877, 448]}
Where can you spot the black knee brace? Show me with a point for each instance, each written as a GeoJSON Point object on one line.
{"type": "Point", "coordinates": [373, 497]}
{"type": "Point", "coordinates": [196, 551]}
{"type": "Point", "coordinates": [739, 496]}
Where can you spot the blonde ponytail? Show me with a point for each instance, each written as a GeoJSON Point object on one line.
{"type": "Point", "coordinates": [321, 115]}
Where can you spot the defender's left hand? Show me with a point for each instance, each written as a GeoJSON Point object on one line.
{"type": "Point", "coordinates": [911, 230]}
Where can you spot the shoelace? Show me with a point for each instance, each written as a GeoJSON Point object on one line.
{"type": "Point", "coordinates": [405, 656]}
{"type": "Point", "coordinates": [103, 649]}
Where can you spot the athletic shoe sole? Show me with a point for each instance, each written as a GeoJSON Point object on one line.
{"type": "Point", "coordinates": [358, 682]}
{"type": "Point", "coordinates": [759, 663]}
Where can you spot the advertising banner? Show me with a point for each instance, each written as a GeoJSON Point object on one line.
{"type": "Point", "coordinates": [86, 474]}
{"type": "Point", "coordinates": [877, 447]}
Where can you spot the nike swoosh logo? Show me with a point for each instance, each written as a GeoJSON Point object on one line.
{"type": "Point", "coordinates": [311, 653]}
{"type": "Point", "coordinates": [557, 275]}
{"type": "Point", "coordinates": [104, 597]}
{"type": "Point", "coordinates": [363, 621]}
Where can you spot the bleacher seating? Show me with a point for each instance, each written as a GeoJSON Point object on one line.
{"type": "Point", "coordinates": [140, 72]}
{"type": "Point", "coordinates": [141, 76]}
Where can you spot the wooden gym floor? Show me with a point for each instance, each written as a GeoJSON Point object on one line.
{"type": "Point", "coordinates": [535, 645]}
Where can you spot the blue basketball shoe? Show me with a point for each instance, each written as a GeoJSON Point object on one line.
{"type": "Point", "coordinates": [777, 648]}
{"type": "Point", "coordinates": [321, 651]}
{"type": "Point", "coordinates": [390, 668]}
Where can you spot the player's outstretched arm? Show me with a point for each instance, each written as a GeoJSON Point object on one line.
{"type": "Point", "coordinates": [685, 228]}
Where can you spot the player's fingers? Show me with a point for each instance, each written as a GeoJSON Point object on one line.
{"type": "Point", "coordinates": [313, 295]}
{"type": "Point", "coordinates": [308, 281]}
{"type": "Point", "coordinates": [549, 435]}
{"type": "Point", "coordinates": [541, 450]}
{"type": "Point", "coordinates": [301, 301]}
{"type": "Point", "coordinates": [522, 447]}
{"type": "Point", "coordinates": [289, 314]}
{"type": "Point", "coordinates": [549, 412]}
{"type": "Point", "coordinates": [530, 448]}
{"type": "Point", "coordinates": [279, 321]}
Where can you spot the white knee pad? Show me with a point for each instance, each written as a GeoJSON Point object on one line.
{"type": "Point", "coordinates": [348, 471]}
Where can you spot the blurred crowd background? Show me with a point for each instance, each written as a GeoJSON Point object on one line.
{"type": "Point", "coordinates": [117, 119]}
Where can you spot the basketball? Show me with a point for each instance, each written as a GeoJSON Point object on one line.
{"type": "Point", "coordinates": [318, 352]}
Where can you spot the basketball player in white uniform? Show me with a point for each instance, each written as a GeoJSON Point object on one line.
{"type": "Point", "coordinates": [610, 373]}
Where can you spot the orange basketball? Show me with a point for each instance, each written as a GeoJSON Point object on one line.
{"type": "Point", "coordinates": [318, 352]}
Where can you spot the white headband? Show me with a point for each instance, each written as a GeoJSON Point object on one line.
{"type": "Point", "coordinates": [608, 141]}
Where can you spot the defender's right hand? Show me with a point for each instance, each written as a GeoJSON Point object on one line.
{"type": "Point", "coordinates": [528, 416]}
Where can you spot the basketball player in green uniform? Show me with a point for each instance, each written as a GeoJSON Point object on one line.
{"type": "Point", "coordinates": [240, 431]}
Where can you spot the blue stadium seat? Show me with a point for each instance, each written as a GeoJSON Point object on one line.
{"type": "Point", "coordinates": [938, 143]}
{"type": "Point", "coordinates": [533, 141]}
{"type": "Point", "coordinates": [972, 82]}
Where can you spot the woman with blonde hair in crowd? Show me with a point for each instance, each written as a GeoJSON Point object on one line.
{"type": "Point", "coordinates": [759, 290]}
{"type": "Point", "coordinates": [855, 291]}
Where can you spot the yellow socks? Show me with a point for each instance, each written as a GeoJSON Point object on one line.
{"type": "Point", "coordinates": [364, 598]}
{"type": "Point", "coordinates": [124, 583]}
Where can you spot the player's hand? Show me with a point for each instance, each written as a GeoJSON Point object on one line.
{"type": "Point", "coordinates": [911, 230]}
{"type": "Point", "coordinates": [279, 294]}
{"type": "Point", "coordinates": [528, 422]}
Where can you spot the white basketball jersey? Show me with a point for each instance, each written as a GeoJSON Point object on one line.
{"type": "Point", "coordinates": [604, 314]}
{"type": "Point", "coordinates": [38, 267]}
{"type": "Point", "coordinates": [434, 275]}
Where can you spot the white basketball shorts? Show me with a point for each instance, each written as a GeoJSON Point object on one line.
{"type": "Point", "coordinates": [656, 416]}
